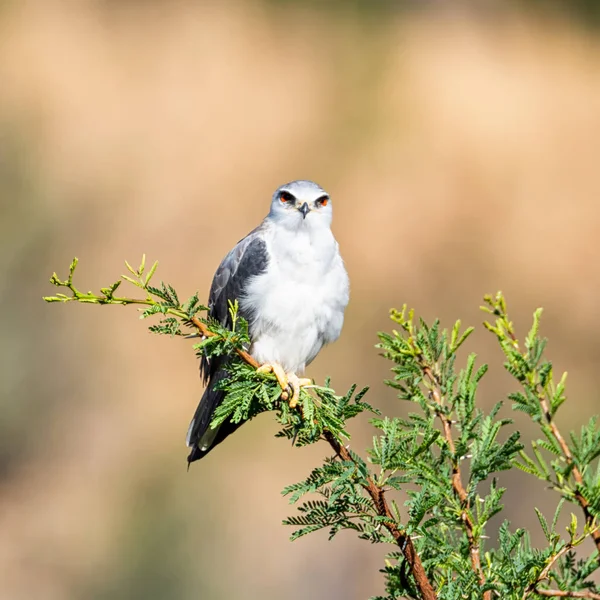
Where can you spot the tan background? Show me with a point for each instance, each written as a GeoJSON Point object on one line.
{"type": "Point", "coordinates": [461, 149]}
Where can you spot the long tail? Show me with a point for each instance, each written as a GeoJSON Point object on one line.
{"type": "Point", "coordinates": [200, 437]}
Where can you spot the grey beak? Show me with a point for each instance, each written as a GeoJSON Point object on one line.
{"type": "Point", "coordinates": [304, 210]}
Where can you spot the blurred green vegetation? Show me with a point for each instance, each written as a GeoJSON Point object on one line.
{"type": "Point", "coordinates": [583, 12]}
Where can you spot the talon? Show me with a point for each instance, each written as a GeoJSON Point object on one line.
{"type": "Point", "coordinates": [279, 373]}
{"type": "Point", "coordinates": [289, 383]}
{"type": "Point", "coordinates": [296, 383]}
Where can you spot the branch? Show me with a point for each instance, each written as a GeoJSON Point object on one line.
{"type": "Point", "coordinates": [545, 572]}
{"type": "Point", "coordinates": [583, 502]}
{"type": "Point", "coordinates": [457, 484]}
{"type": "Point", "coordinates": [141, 281]}
{"type": "Point", "coordinates": [567, 594]}
{"type": "Point", "coordinates": [403, 540]}
{"type": "Point", "coordinates": [505, 333]}
{"type": "Point", "coordinates": [204, 331]}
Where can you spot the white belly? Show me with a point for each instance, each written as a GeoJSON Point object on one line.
{"type": "Point", "coordinates": [298, 303]}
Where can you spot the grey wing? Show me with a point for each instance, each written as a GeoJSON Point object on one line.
{"type": "Point", "coordinates": [248, 259]}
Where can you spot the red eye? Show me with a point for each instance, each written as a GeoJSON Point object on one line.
{"type": "Point", "coordinates": [323, 200]}
{"type": "Point", "coordinates": [286, 197]}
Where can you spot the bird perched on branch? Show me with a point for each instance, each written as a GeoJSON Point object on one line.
{"type": "Point", "coordinates": [292, 288]}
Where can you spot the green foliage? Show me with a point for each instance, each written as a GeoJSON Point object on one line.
{"type": "Point", "coordinates": [429, 482]}
{"type": "Point", "coordinates": [571, 468]}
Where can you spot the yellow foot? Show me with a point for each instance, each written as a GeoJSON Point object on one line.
{"type": "Point", "coordinates": [279, 373]}
{"type": "Point", "coordinates": [296, 383]}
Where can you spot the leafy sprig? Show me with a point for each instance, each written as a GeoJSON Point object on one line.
{"type": "Point", "coordinates": [161, 300]}
{"type": "Point", "coordinates": [574, 468]}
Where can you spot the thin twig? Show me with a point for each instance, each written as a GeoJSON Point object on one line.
{"type": "Point", "coordinates": [582, 501]}
{"type": "Point", "coordinates": [206, 333]}
{"type": "Point", "coordinates": [403, 540]}
{"type": "Point", "coordinates": [567, 594]}
{"type": "Point", "coordinates": [457, 484]}
{"type": "Point", "coordinates": [545, 572]}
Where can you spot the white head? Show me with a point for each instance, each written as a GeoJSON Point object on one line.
{"type": "Point", "coordinates": [301, 203]}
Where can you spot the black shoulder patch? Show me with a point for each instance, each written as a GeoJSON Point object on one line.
{"type": "Point", "coordinates": [248, 259]}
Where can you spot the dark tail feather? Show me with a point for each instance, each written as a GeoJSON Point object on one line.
{"type": "Point", "coordinates": [201, 439]}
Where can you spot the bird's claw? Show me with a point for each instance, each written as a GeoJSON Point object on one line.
{"type": "Point", "coordinates": [296, 383]}
{"type": "Point", "coordinates": [280, 375]}
{"type": "Point", "coordinates": [288, 382]}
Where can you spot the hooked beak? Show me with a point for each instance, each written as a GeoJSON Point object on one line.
{"type": "Point", "coordinates": [304, 210]}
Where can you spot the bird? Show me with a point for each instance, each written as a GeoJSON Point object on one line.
{"type": "Point", "coordinates": [292, 288]}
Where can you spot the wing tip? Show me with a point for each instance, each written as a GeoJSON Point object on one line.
{"type": "Point", "coordinates": [188, 437]}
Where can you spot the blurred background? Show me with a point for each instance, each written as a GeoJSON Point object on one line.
{"type": "Point", "coordinates": [460, 143]}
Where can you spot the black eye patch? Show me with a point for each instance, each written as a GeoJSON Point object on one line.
{"type": "Point", "coordinates": [287, 197]}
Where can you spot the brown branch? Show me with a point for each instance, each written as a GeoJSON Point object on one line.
{"type": "Point", "coordinates": [403, 540]}
{"type": "Point", "coordinates": [457, 484]}
{"type": "Point", "coordinates": [567, 594]}
{"type": "Point", "coordinates": [545, 572]}
{"type": "Point", "coordinates": [583, 502]}
{"type": "Point", "coordinates": [377, 495]}
{"type": "Point", "coordinates": [206, 333]}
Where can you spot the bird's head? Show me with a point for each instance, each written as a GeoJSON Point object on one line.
{"type": "Point", "coordinates": [301, 204]}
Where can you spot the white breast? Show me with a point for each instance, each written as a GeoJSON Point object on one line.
{"type": "Point", "coordinates": [299, 302]}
